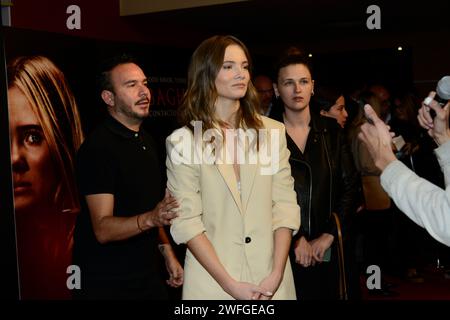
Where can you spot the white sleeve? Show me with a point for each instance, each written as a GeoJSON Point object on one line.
{"type": "Point", "coordinates": [183, 181]}
{"type": "Point", "coordinates": [425, 203]}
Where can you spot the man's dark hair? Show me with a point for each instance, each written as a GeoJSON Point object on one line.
{"type": "Point", "coordinates": [104, 71]}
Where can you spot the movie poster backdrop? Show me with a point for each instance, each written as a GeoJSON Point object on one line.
{"type": "Point", "coordinates": [53, 103]}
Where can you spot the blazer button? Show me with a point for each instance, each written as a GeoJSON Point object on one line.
{"type": "Point", "coordinates": [248, 239]}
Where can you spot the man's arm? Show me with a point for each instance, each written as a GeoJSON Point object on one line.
{"type": "Point", "coordinates": [173, 266]}
{"type": "Point", "coordinates": [109, 228]}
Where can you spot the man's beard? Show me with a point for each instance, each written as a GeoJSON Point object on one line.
{"type": "Point", "coordinates": [130, 113]}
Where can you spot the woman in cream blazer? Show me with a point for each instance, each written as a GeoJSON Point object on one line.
{"type": "Point", "coordinates": [238, 205]}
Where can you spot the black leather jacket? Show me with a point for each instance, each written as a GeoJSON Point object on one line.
{"type": "Point", "coordinates": [326, 180]}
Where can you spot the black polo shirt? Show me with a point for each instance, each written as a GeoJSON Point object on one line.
{"type": "Point", "coordinates": [122, 162]}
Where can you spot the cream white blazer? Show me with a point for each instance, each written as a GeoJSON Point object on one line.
{"type": "Point", "coordinates": [240, 225]}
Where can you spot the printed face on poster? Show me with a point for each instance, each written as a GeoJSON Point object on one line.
{"type": "Point", "coordinates": [53, 104]}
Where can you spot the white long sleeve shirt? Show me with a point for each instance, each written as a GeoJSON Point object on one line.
{"type": "Point", "coordinates": [423, 202]}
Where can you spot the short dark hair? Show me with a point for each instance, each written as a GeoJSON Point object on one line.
{"type": "Point", "coordinates": [104, 70]}
{"type": "Point", "coordinates": [291, 57]}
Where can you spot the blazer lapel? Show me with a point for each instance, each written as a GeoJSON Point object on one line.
{"type": "Point", "coordinates": [248, 172]}
{"type": "Point", "coordinates": [227, 172]}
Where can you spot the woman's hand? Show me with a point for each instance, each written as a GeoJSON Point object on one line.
{"type": "Point", "coordinates": [270, 284]}
{"type": "Point", "coordinates": [303, 252]}
{"type": "Point", "coordinates": [320, 245]}
{"type": "Point", "coordinates": [246, 291]}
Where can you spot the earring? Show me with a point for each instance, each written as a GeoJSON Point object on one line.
{"type": "Point", "coordinates": [312, 92]}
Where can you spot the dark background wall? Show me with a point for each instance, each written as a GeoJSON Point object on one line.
{"type": "Point", "coordinates": [334, 31]}
{"type": "Point", "coordinates": [344, 51]}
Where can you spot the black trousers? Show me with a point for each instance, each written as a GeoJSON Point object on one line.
{"type": "Point", "coordinates": [320, 282]}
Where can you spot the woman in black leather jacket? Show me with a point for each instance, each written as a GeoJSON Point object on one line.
{"type": "Point", "coordinates": [325, 180]}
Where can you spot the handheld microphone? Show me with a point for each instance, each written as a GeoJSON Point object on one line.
{"type": "Point", "coordinates": [442, 94]}
{"type": "Point", "coordinates": [443, 91]}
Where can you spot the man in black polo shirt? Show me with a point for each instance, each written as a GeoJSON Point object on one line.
{"type": "Point", "coordinates": [121, 222]}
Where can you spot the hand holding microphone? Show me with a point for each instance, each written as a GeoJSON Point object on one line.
{"type": "Point", "coordinates": [441, 96]}
{"type": "Point", "coordinates": [437, 126]}
{"type": "Point", "coordinates": [443, 91]}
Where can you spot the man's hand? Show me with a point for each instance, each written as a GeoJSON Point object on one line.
{"type": "Point", "coordinates": [438, 127]}
{"type": "Point", "coordinates": [164, 212]}
{"type": "Point", "coordinates": [377, 138]}
{"type": "Point", "coordinates": [173, 266]}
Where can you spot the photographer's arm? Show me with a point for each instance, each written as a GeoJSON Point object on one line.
{"type": "Point", "coordinates": [425, 203]}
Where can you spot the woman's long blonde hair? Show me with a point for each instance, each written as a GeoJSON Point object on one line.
{"type": "Point", "coordinates": [51, 99]}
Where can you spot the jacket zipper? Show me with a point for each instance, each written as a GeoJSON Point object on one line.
{"type": "Point", "coordinates": [331, 173]}
{"type": "Point", "coordinates": [310, 194]}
